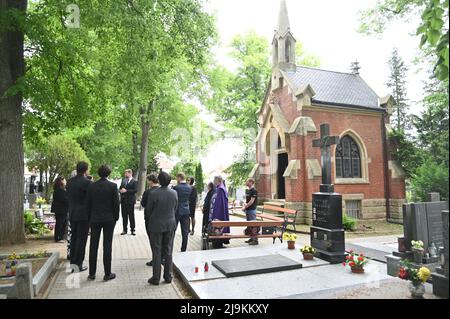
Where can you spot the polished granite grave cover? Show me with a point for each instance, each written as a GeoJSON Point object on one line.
{"type": "Point", "coordinates": [255, 265]}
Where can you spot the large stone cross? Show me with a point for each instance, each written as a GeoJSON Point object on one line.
{"type": "Point", "coordinates": [325, 143]}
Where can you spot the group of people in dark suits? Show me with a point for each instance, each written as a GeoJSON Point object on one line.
{"type": "Point", "coordinates": [90, 206]}
{"type": "Point", "coordinates": [94, 207]}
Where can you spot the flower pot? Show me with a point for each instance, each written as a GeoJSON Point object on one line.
{"type": "Point", "coordinates": [308, 256]}
{"type": "Point", "coordinates": [402, 244]}
{"type": "Point", "coordinates": [357, 269]}
{"type": "Point", "coordinates": [417, 255]}
{"type": "Point", "coordinates": [291, 244]}
{"type": "Point", "coordinates": [417, 291]}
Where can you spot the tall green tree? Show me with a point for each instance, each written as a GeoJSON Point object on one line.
{"type": "Point", "coordinates": [199, 181]}
{"type": "Point", "coordinates": [156, 66]}
{"type": "Point", "coordinates": [433, 27]}
{"type": "Point", "coordinates": [397, 85]}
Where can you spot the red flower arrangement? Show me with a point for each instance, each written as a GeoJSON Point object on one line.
{"type": "Point", "coordinates": [355, 261]}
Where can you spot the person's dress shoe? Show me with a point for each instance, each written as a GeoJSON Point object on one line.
{"type": "Point", "coordinates": [83, 268]}
{"type": "Point", "coordinates": [123, 233]}
{"type": "Point", "coordinates": [248, 241]}
{"type": "Point", "coordinates": [91, 277]}
{"type": "Point", "coordinates": [133, 233]}
{"type": "Point", "coordinates": [253, 243]}
{"type": "Point", "coordinates": [168, 280]}
{"type": "Point", "coordinates": [109, 277]}
{"type": "Point", "coordinates": [153, 281]}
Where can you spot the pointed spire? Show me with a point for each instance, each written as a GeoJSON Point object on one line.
{"type": "Point", "coordinates": [283, 19]}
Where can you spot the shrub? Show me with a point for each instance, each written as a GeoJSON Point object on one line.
{"type": "Point", "coordinates": [430, 177]}
{"type": "Point", "coordinates": [349, 223]}
{"type": "Point", "coordinates": [34, 225]}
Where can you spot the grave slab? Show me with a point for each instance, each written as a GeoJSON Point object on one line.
{"type": "Point", "coordinates": [255, 265]}
{"type": "Point", "coordinates": [186, 262]}
{"type": "Point", "coordinates": [287, 284]}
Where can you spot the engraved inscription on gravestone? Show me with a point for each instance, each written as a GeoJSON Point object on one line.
{"type": "Point", "coordinates": [434, 222]}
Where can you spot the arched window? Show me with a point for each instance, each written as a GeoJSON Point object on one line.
{"type": "Point", "coordinates": [348, 158]}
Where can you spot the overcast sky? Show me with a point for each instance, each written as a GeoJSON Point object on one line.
{"type": "Point", "coordinates": [328, 29]}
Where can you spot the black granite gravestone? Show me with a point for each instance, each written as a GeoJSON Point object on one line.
{"type": "Point", "coordinates": [327, 233]}
{"type": "Point", "coordinates": [423, 221]}
{"type": "Point", "coordinates": [441, 277]}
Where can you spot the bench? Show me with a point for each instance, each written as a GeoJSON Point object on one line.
{"type": "Point", "coordinates": [278, 224]}
{"type": "Point", "coordinates": [290, 215]}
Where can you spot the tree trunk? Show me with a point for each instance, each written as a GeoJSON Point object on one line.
{"type": "Point", "coordinates": [12, 67]}
{"type": "Point", "coordinates": [143, 159]}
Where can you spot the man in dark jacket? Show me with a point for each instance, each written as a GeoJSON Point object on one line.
{"type": "Point", "coordinates": [128, 190]}
{"type": "Point", "coordinates": [153, 184]}
{"type": "Point", "coordinates": [78, 215]}
{"type": "Point", "coordinates": [184, 192]}
{"type": "Point", "coordinates": [103, 208]}
{"type": "Point", "coordinates": [160, 208]}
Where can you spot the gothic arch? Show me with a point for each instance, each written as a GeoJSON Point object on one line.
{"type": "Point", "coordinates": [364, 160]}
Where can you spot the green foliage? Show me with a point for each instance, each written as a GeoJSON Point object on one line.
{"type": "Point", "coordinates": [433, 29]}
{"type": "Point", "coordinates": [235, 97]}
{"type": "Point", "coordinates": [397, 85]}
{"type": "Point", "coordinates": [199, 182]}
{"type": "Point", "coordinates": [406, 151]}
{"type": "Point", "coordinates": [188, 168]}
{"type": "Point", "coordinates": [432, 124]}
{"type": "Point", "coordinates": [302, 57]}
{"type": "Point", "coordinates": [349, 223]}
{"type": "Point", "coordinates": [239, 171]}
{"type": "Point", "coordinates": [435, 34]}
{"type": "Point", "coordinates": [430, 177]}
{"type": "Point", "coordinates": [34, 225]}
{"type": "Point", "coordinates": [57, 155]}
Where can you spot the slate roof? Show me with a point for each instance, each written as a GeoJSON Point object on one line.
{"type": "Point", "coordinates": [334, 88]}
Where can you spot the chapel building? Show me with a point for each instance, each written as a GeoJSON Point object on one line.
{"type": "Point", "coordinates": [298, 100]}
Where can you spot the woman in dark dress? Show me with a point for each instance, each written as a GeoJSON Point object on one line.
{"type": "Point", "coordinates": [207, 206]}
{"type": "Point", "coordinates": [60, 207]}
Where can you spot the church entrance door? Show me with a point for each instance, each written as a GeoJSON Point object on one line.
{"type": "Point", "coordinates": [282, 165]}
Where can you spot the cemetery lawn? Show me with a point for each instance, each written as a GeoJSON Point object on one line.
{"type": "Point", "coordinates": [365, 228]}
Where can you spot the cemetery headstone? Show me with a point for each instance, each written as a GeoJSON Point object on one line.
{"type": "Point", "coordinates": [441, 276]}
{"type": "Point", "coordinates": [423, 221]}
{"type": "Point", "coordinates": [23, 287]}
{"type": "Point", "coordinates": [327, 233]}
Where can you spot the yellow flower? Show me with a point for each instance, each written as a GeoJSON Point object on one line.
{"type": "Point", "coordinates": [423, 274]}
{"type": "Point", "coordinates": [289, 237]}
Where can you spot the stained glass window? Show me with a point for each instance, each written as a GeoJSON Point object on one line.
{"type": "Point", "coordinates": [348, 158]}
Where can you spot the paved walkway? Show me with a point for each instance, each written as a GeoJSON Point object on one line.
{"type": "Point", "coordinates": [130, 253]}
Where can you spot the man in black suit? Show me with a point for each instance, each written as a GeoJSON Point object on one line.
{"type": "Point", "coordinates": [103, 210]}
{"type": "Point", "coordinates": [182, 216]}
{"type": "Point", "coordinates": [78, 214]}
{"type": "Point", "coordinates": [153, 184]}
{"type": "Point", "coordinates": [160, 208]}
{"type": "Point", "coordinates": [128, 189]}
